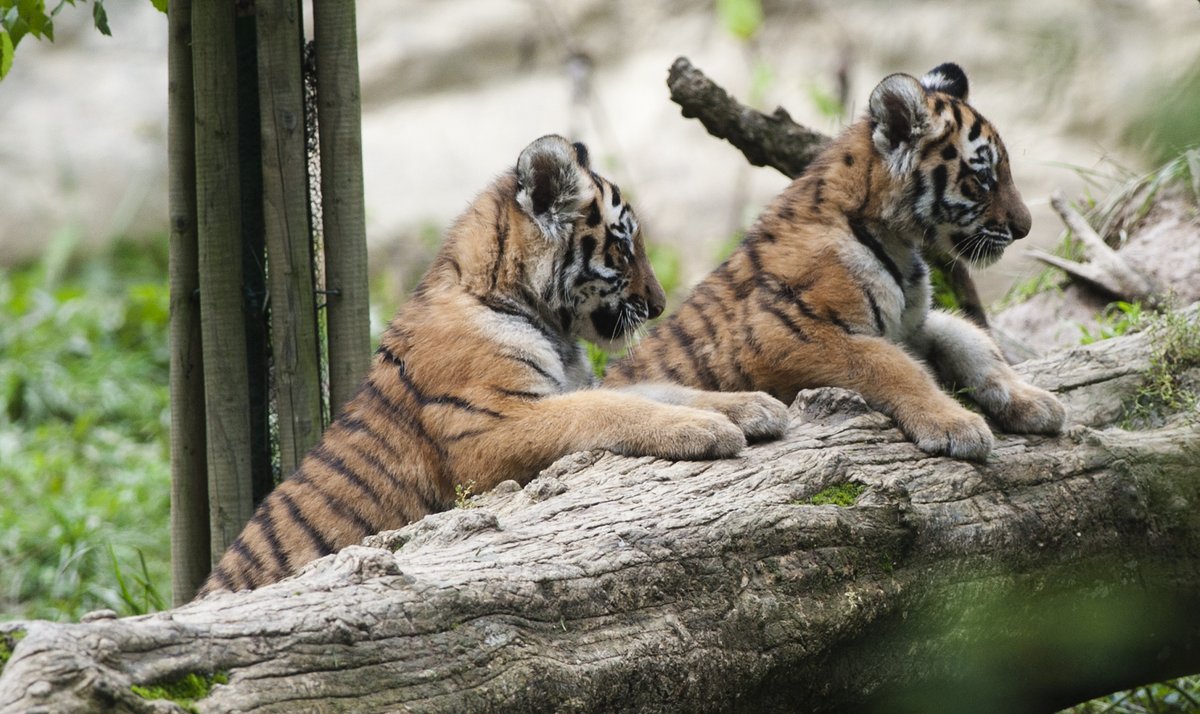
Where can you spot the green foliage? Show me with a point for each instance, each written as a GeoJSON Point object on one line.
{"type": "Point", "coordinates": [19, 18]}
{"type": "Point", "coordinates": [1180, 696]}
{"type": "Point", "coordinates": [1117, 319]}
{"type": "Point", "coordinates": [8, 642]}
{"type": "Point", "coordinates": [1166, 388]}
{"type": "Point", "coordinates": [843, 495]}
{"type": "Point", "coordinates": [942, 292]}
{"type": "Point", "coordinates": [463, 493]}
{"type": "Point", "coordinates": [1046, 279]}
{"type": "Point", "coordinates": [1167, 117]}
{"type": "Point", "coordinates": [185, 691]}
{"type": "Point", "coordinates": [83, 432]}
{"type": "Point", "coordinates": [742, 18]}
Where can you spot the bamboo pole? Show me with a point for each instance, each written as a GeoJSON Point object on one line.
{"type": "Point", "coordinates": [220, 260]}
{"type": "Point", "coordinates": [189, 481]}
{"type": "Point", "coordinates": [289, 245]}
{"type": "Point", "coordinates": [339, 112]}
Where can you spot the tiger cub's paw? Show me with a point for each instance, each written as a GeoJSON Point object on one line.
{"type": "Point", "coordinates": [1031, 410]}
{"type": "Point", "coordinates": [760, 416]}
{"type": "Point", "coordinates": [686, 434]}
{"type": "Point", "coordinates": [950, 432]}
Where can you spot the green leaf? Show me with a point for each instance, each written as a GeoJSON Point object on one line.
{"type": "Point", "coordinates": [100, 17]}
{"type": "Point", "coordinates": [160, 5]}
{"type": "Point", "coordinates": [743, 18]}
{"type": "Point", "coordinates": [6, 52]}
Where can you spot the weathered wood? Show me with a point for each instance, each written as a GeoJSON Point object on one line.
{"type": "Point", "coordinates": [620, 584]}
{"type": "Point", "coordinates": [295, 351]}
{"type": "Point", "coordinates": [190, 558]}
{"type": "Point", "coordinates": [223, 331]}
{"type": "Point", "coordinates": [339, 119]}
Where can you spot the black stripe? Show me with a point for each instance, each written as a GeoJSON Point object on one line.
{"type": "Point", "coordinates": [449, 400]}
{"type": "Point", "coordinates": [267, 525]}
{"type": "Point", "coordinates": [362, 427]}
{"type": "Point", "coordinates": [865, 237]}
{"type": "Point", "coordinates": [518, 393]}
{"type": "Point", "coordinates": [954, 109]}
{"type": "Point", "coordinates": [403, 416]}
{"type": "Point", "coordinates": [243, 551]}
{"type": "Point", "coordinates": [455, 438]}
{"type": "Point", "coordinates": [686, 342]}
{"type": "Point", "coordinates": [340, 507]}
{"type": "Point", "coordinates": [874, 311]}
{"type": "Point", "coordinates": [940, 176]}
{"type": "Point", "coordinates": [562, 346]}
{"type": "Point", "coordinates": [786, 319]}
{"type": "Point", "coordinates": [976, 127]}
{"type": "Point", "coordinates": [225, 579]}
{"type": "Point", "coordinates": [535, 367]}
{"type": "Point", "coordinates": [501, 240]}
{"type": "Point", "coordinates": [337, 465]}
{"type": "Point", "coordinates": [837, 320]}
{"type": "Point", "coordinates": [318, 540]}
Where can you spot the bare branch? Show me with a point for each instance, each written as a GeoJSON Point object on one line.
{"type": "Point", "coordinates": [1105, 269]}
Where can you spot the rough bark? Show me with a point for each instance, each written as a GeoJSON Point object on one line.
{"type": "Point", "coordinates": [1060, 568]}
{"type": "Point", "coordinates": [222, 304]}
{"type": "Point", "coordinates": [190, 559]}
{"type": "Point", "coordinates": [294, 347]}
{"type": "Point", "coordinates": [339, 111]}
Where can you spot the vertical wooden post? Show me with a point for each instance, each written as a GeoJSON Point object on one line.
{"type": "Point", "coordinates": [289, 245]}
{"type": "Point", "coordinates": [339, 112]}
{"type": "Point", "coordinates": [220, 260]}
{"type": "Point", "coordinates": [189, 479]}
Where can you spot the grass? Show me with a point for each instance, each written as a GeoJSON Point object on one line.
{"type": "Point", "coordinates": [1119, 318]}
{"type": "Point", "coordinates": [185, 691]}
{"type": "Point", "coordinates": [843, 495]}
{"type": "Point", "coordinates": [83, 433]}
{"type": "Point", "coordinates": [1165, 389]}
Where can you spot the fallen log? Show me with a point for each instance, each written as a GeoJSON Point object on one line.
{"type": "Point", "coordinates": [1059, 569]}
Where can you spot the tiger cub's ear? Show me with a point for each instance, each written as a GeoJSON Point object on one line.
{"type": "Point", "coordinates": [899, 118]}
{"type": "Point", "coordinates": [948, 78]}
{"type": "Point", "coordinates": [550, 179]}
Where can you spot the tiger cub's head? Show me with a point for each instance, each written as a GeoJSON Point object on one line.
{"type": "Point", "coordinates": [596, 277]}
{"type": "Point", "coordinates": [951, 163]}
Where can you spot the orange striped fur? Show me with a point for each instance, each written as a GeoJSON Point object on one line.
{"type": "Point", "coordinates": [480, 377]}
{"type": "Point", "coordinates": [829, 287]}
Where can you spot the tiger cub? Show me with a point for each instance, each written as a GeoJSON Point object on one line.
{"type": "Point", "coordinates": [829, 287]}
{"type": "Point", "coordinates": [479, 378]}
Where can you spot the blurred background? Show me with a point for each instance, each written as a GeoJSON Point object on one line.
{"type": "Point", "coordinates": [1086, 93]}
{"type": "Point", "coordinates": [452, 90]}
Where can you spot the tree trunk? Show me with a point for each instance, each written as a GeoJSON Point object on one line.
{"type": "Point", "coordinates": [339, 118]}
{"type": "Point", "coordinates": [190, 559]}
{"type": "Point", "coordinates": [1059, 569]}
{"type": "Point", "coordinates": [226, 382]}
{"type": "Point", "coordinates": [296, 354]}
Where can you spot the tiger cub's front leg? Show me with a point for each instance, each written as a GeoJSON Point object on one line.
{"type": "Point", "coordinates": [534, 435]}
{"type": "Point", "coordinates": [759, 415]}
{"type": "Point", "coordinates": [965, 355]}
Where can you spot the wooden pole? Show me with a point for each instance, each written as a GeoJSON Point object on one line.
{"type": "Point", "coordinates": [220, 260]}
{"type": "Point", "coordinates": [339, 116]}
{"type": "Point", "coordinates": [289, 245]}
{"type": "Point", "coordinates": [189, 480]}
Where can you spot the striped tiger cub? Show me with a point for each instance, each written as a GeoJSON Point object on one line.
{"type": "Point", "coordinates": [829, 287]}
{"type": "Point", "coordinates": [480, 377]}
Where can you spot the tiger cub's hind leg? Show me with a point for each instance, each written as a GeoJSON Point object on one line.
{"type": "Point", "coordinates": [966, 356]}
{"type": "Point", "coordinates": [760, 416]}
